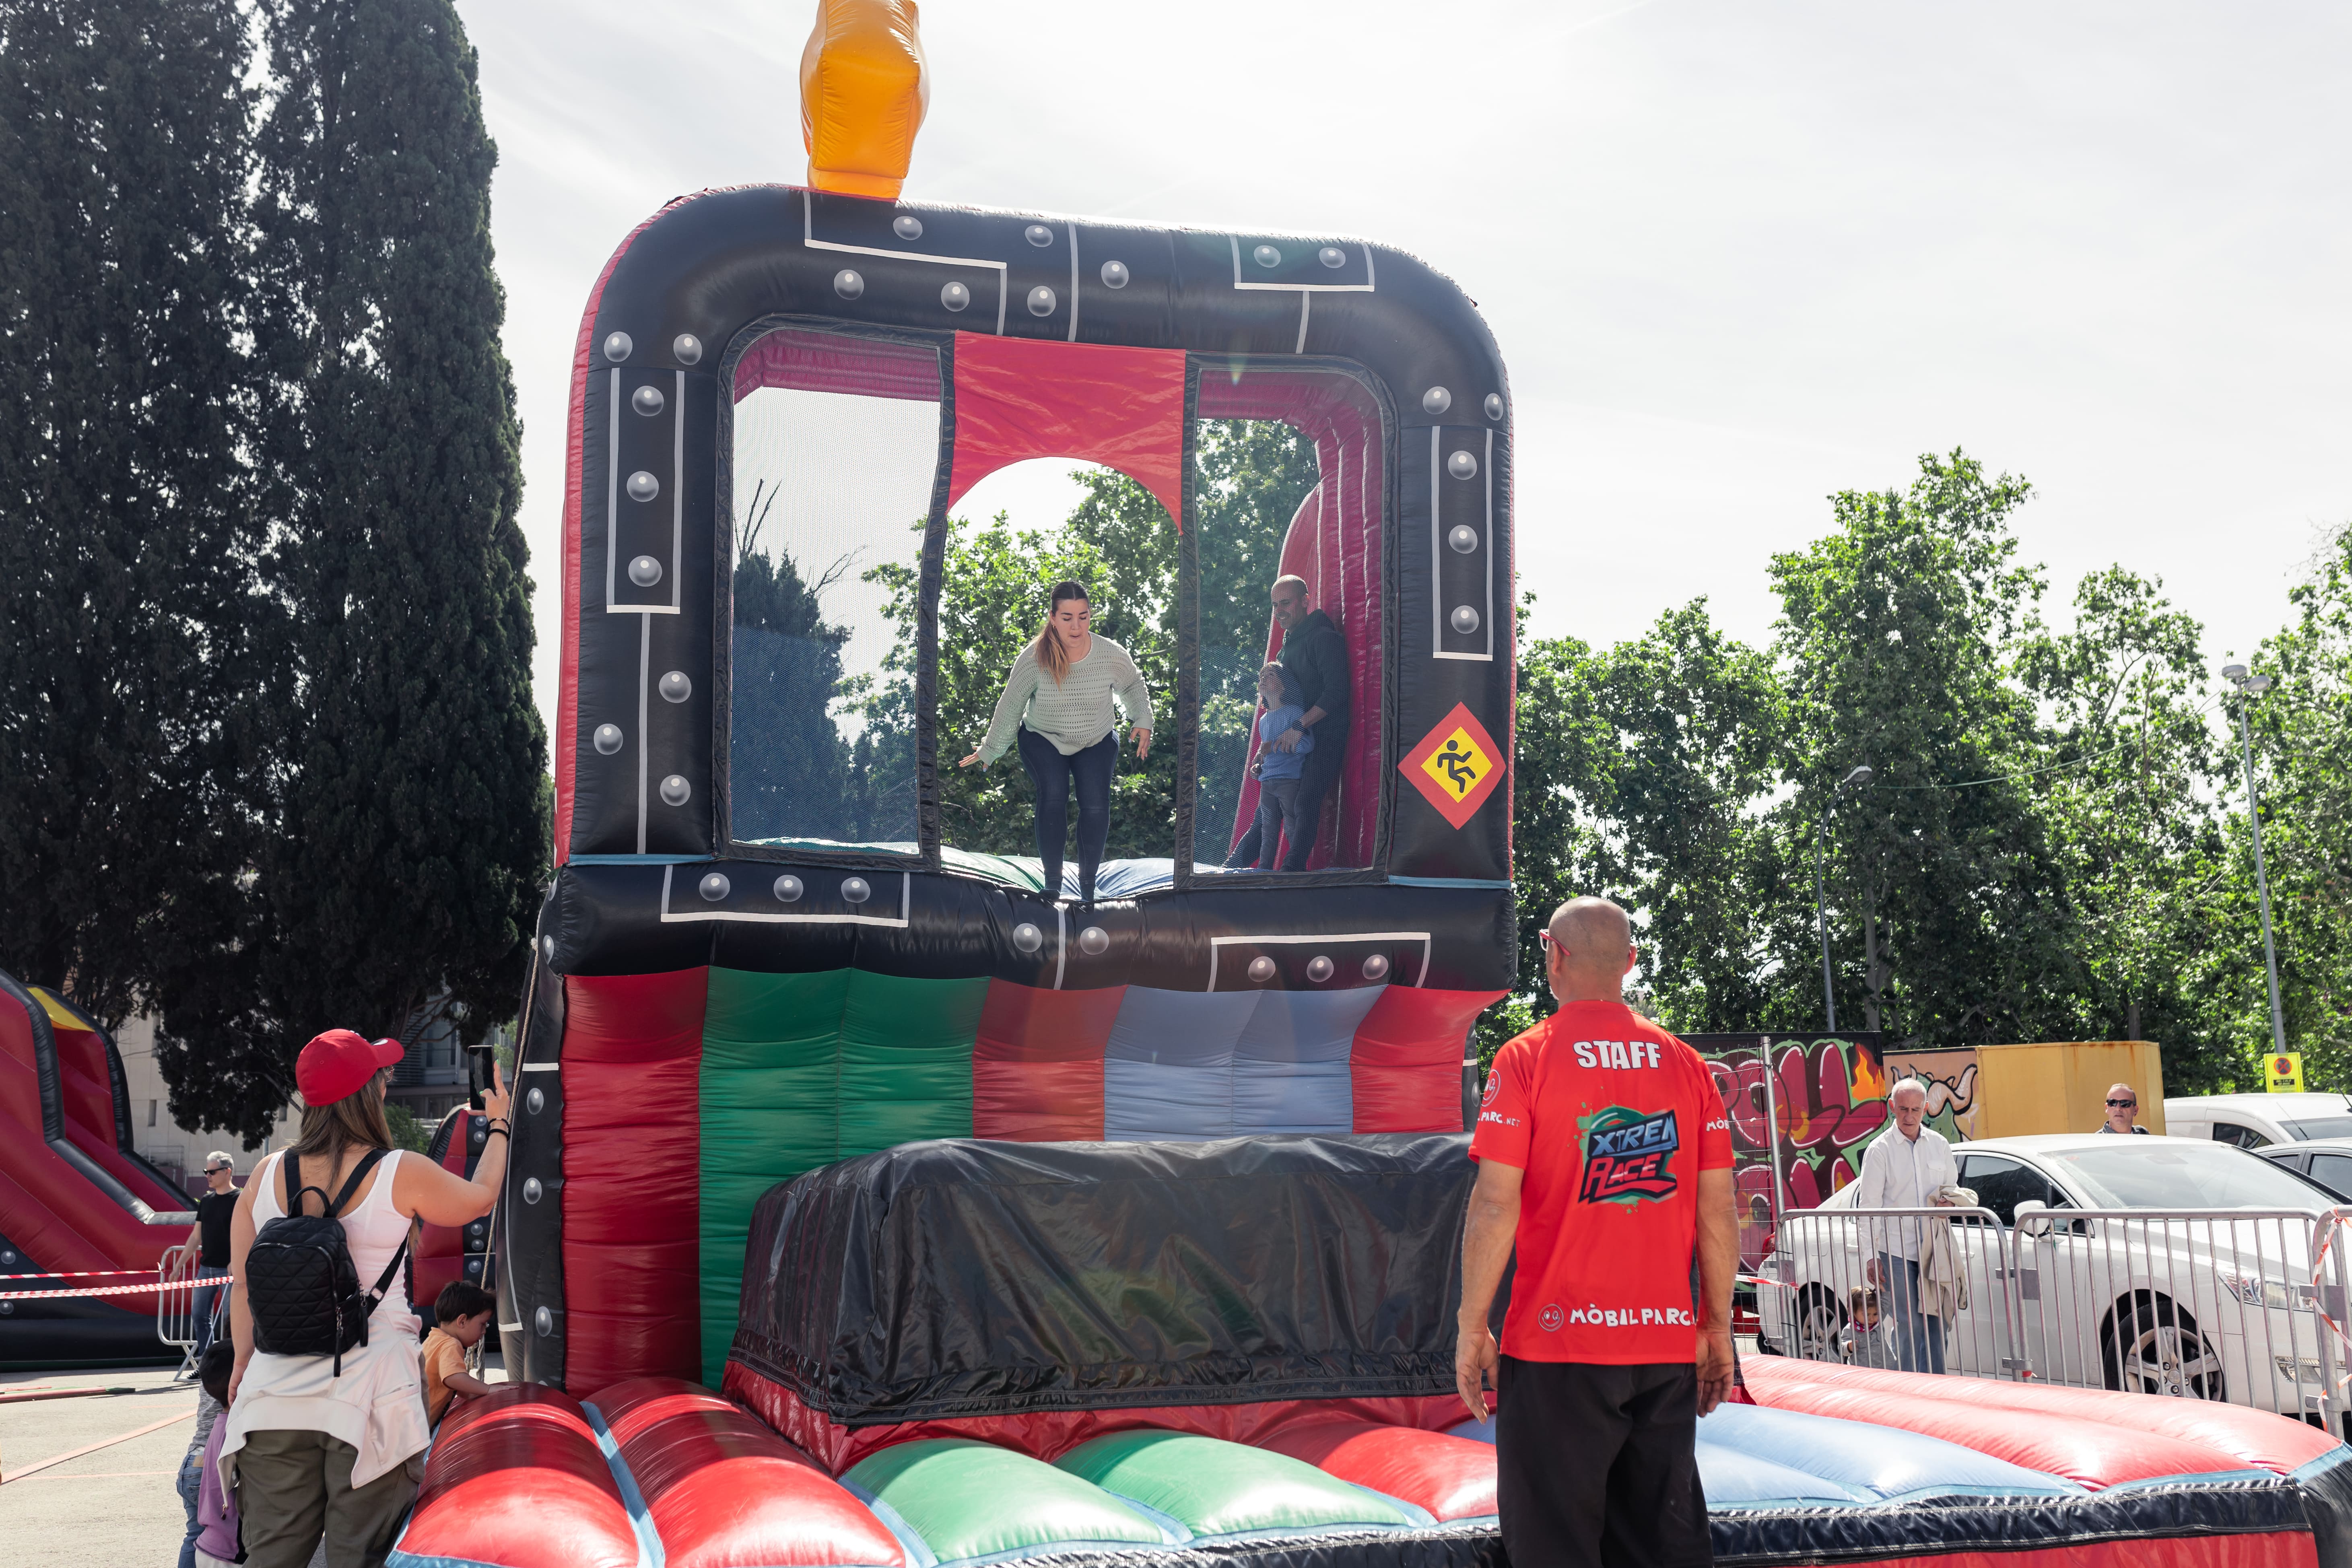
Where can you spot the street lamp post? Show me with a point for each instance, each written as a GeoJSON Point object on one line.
{"type": "Point", "coordinates": [2250, 685]}
{"type": "Point", "coordinates": [1854, 780]}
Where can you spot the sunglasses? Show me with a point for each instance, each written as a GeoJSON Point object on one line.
{"type": "Point", "coordinates": [1544, 937]}
{"type": "Point", "coordinates": [2126, 1103]}
{"type": "Point", "coordinates": [217, 1169]}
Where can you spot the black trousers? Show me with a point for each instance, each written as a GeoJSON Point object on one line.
{"type": "Point", "coordinates": [1596, 1468]}
{"type": "Point", "coordinates": [1316, 777]}
{"type": "Point", "coordinates": [1053, 774]}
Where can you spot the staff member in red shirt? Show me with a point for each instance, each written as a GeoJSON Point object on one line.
{"type": "Point", "coordinates": [1605, 1155]}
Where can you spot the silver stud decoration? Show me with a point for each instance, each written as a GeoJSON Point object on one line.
{"type": "Point", "coordinates": [955, 296]}
{"type": "Point", "coordinates": [1267, 256]}
{"type": "Point", "coordinates": [789, 889]}
{"type": "Point", "coordinates": [647, 401]}
{"type": "Point", "coordinates": [1027, 938]}
{"type": "Point", "coordinates": [675, 791]}
{"type": "Point", "coordinates": [1462, 466]}
{"type": "Point", "coordinates": [643, 486]}
{"type": "Point", "coordinates": [1041, 300]}
{"type": "Point", "coordinates": [1318, 969]}
{"type": "Point", "coordinates": [1332, 256]}
{"type": "Point", "coordinates": [543, 1320]}
{"type": "Point", "coordinates": [1463, 538]}
{"type": "Point", "coordinates": [1261, 970]}
{"type": "Point", "coordinates": [532, 1193]}
{"type": "Point", "coordinates": [907, 225]}
{"type": "Point", "coordinates": [547, 948]}
{"type": "Point", "coordinates": [687, 348]}
{"type": "Point", "coordinates": [1436, 400]}
{"type": "Point", "coordinates": [617, 346]}
{"type": "Point", "coordinates": [1463, 619]}
{"type": "Point", "coordinates": [1494, 406]}
{"type": "Point", "coordinates": [535, 1102]}
{"type": "Point", "coordinates": [1114, 274]}
{"type": "Point", "coordinates": [714, 887]}
{"type": "Point", "coordinates": [1094, 941]}
{"type": "Point", "coordinates": [607, 738]}
{"type": "Point", "coordinates": [1038, 234]}
{"type": "Point", "coordinates": [645, 571]}
{"type": "Point", "coordinates": [1377, 966]}
{"type": "Point", "coordinates": [847, 283]}
{"type": "Point", "coordinates": [856, 890]}
{"type": "Point", "coordinates": [675, 687]}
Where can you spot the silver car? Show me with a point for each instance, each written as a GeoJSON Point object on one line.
{"type": "Point", "coordinates": [2162, 1264]}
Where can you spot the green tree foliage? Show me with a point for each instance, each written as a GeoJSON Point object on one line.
{"type": "Point", "coordinates": [791, 774]}
{"type": "Point", "coordinates": [409, 805]}
{"type": "Point", "coordinates": [126, 532]}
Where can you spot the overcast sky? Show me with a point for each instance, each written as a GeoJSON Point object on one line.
{"type": "Point", "coordinates": [1738, 255]}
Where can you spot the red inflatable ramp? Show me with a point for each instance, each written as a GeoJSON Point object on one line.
{"type": "Point", "coordinates": [1453, 1478]}
{"type": "Point", "coordinates": [723, 1490]}
{"type": "Point", "coordinates": [517, 1480]}
{"type": "Point", "coordinates": [2233, 1432]}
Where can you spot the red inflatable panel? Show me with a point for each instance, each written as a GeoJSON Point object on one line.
{"type": "Point", "coordinates": [2081, 1450]}
{"type": "Point", "coordinates": [440, 1255]}
{"type": "Point", "coordinates": [516, 1479]}
{"type": "Point", "coordinates": [632, 1094]}
{"type": "Point", "coordinates": [1406, 1064]}
{"type": "Point", "coordinates": [1038, 1064]}
{"type": "Point", "coordinates": [1453, 1478]}
{"type": "Point", "coordinates": [1049, 1434]}
{"type": "Point", "coordinates": [2233, 1432]}
{"type": "Point", "coordinates": [725, 1491]}
{"type": "Point", "coordinates": [1017, 398]}
{"type": "Point", "coordinates": [2284, 1550]}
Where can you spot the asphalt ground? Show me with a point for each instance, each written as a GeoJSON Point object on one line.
{"type": "Point", "coordinates": [113, 1505]}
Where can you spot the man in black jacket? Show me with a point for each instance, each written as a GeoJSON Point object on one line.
{"type": "Point", "coordinates": [1315, 653]}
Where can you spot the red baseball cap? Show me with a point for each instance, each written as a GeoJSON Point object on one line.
{"type": "Point", "coordinates": [338, 1064]}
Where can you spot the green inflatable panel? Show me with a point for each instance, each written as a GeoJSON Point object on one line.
{"type": "Point", "coordinates": [799, 1070]}
{"type": "Point", "coordinates": [1214, 1488]}
{"type": "Point", "coordinates": [968, 1499]}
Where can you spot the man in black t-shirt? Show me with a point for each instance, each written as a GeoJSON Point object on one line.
{"type": "Point", "coordinates": [210, 1239]}
{"type": "Point", "coordinates": [1315, 654]}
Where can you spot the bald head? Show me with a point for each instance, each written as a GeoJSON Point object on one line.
{"type": "Point", "coordinates": [1592, 950]}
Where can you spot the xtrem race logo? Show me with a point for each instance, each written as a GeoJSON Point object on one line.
{"type": "Point", "coordinates": [1625, 1154]}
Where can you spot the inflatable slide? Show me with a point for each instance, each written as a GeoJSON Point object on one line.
{"type": "Point", "coordinates": [75, 1197]}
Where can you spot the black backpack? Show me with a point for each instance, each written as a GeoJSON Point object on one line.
{"type": "Point", "coordinates": [300, 1285]}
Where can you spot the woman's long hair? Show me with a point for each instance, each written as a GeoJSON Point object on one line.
{"type": "Point", "coordinates": [1051, 656]}
{"type": "Point", "coordinates": [356, 1119]}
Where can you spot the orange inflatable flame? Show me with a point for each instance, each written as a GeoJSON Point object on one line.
{"type": "Point", "coordinates": [864, 91]}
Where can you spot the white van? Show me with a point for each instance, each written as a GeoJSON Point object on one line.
{"type": "Point", "coordinates": [2258, 1121]}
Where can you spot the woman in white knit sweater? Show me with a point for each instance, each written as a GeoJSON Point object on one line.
{"type": "Point", "coordinates": [1057, 703]}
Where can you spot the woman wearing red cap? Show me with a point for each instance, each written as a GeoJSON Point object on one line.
{"type": "Point", "coordinates": [316, 1453]}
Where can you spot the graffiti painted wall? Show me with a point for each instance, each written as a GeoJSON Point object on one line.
{"type": "Point", "coordinates": [1829, 1094]}
{"type": "Point", "coordinates": [1951, 1080]}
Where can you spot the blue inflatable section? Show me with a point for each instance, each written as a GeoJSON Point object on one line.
{"type": "Point", "coordinates": [1751, 1457]}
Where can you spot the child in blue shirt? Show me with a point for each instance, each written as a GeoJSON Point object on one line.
{"type": "Point", "coordinates": [1279, 771]}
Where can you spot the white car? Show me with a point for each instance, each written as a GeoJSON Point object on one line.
{"type": "Point", "coordinates": [2258, 1121]}
{"type": "Point", "coordinates": [2150, 1290]}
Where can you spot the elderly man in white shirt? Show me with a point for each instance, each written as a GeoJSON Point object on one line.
{"type": "Point", "coordinates": [1904, 1168]}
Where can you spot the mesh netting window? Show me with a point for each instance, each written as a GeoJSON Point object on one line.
{"type": "Point", "coordinates": [837, 447]}
{"type": "Point", "coordinates": [1290, 479]}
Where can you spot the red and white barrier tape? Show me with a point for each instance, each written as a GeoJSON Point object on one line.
{"type": "Point", "coordinates": [147, 1289]}
{"type": "Point", "coordinates": [79, 1274]}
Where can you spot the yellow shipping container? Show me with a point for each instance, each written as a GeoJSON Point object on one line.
{"type": "Point", "coordinates": [2062, 1087]}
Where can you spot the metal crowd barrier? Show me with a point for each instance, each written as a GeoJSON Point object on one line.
{"type": "Point", "coordinates": [175, 1305]}
{"type": "Point", "coordinates": [2249, 1306]}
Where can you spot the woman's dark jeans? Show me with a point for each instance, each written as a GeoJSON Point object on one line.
{"type": "Point", "coordinates": [1054, 774]}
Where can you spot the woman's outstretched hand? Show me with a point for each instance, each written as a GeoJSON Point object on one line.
{"type": "Point", "coordinates": [1142, 743]}
{"type": "Point", "coordinates": [970, 762]}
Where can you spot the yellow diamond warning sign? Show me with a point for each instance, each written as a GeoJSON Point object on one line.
{"type": "Point", "coordinates": [1457, 766]}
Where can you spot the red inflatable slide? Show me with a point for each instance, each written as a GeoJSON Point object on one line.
{"type": "Point", "coordinates": [75, 1197]}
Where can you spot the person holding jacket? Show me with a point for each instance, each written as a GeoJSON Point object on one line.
{"type": "Point", "coordinates": [1057, 701]}
{"type": "Point", "coordinates": [1905, 1167]}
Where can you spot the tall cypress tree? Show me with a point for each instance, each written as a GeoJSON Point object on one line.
{"type": "Point", "coordinates": [126, 619]}
{"type": "Point", "coordinates": [413, 818]}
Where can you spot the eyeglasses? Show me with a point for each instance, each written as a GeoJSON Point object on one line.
{"type": "Point", "coordinates": [1544, 937]}
{"type": "Point", "coordinates": [217, 1169]}
{"type": "Point", "coordinates": [2124, 1102]}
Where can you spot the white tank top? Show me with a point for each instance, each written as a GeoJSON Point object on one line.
{"type": "Point", "coordinates": [377, 1406]}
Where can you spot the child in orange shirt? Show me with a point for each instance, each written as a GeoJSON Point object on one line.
{"type": "Point", "coordinates": [461, 1315]}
